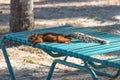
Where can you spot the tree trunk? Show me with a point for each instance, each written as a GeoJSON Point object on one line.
{"type": "Point", "coordinates": [22, 15]}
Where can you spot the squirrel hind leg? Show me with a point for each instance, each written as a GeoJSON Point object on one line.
{"type": "Point", "coordinates": [63, 39]}
{"type": "Point", "coordinates": [68, 37]}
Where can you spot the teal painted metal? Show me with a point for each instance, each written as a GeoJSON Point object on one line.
{"type": "Point", "coordinates": [85, 67]}
{"type": "Point", "coordinates": [52, 54]}
{"type": "Point", "coordinates": [7, 59]}
{"type": "Point", "coordinates": [110, 75]}
{"type": "Point", "coordinates": [75, 48]}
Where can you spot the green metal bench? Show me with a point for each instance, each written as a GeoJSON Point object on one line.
{"type": "Point", "coordinates": [76, 48]}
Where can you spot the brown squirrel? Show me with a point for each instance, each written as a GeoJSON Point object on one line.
{"type": "Point", "coordinates": [49, 37]}
{"type": "Point", "coordinates": [63, 38]}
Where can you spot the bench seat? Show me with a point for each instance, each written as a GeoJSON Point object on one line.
{"type": "Point", "coordinates": [76, 48]}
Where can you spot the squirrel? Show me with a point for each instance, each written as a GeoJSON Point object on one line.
{"type": "Point", "coordinates": [63, 38]}
{"type": "Point", "coordinates": [49, 37]}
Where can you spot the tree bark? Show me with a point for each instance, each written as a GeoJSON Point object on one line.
{"type": "Point", "coordinates": [22, 15]}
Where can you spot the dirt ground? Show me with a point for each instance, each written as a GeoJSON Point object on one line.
{"type": "Point", "coordinates": [33, 64]}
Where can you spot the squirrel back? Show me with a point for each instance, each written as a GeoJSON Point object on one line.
{"type": "Point", "coordinates": [49, 37]}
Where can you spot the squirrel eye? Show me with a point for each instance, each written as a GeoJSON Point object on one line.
{"type": "Point", "coordinates": [33, 38]}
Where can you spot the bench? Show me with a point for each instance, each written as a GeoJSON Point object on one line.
{"type": "Point", "coordinates": [76, 48]}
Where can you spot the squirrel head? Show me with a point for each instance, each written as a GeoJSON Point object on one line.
{"type": "Point", "coordinates": [32, 37]}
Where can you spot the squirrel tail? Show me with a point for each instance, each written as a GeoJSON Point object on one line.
{"type": "Point", "coordinates": [87, 38]}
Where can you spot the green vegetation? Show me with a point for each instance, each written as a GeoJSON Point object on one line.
{"type": "Point", "coordinates": [30, 59]}
{"type": "Point", "coordinates": [12, 53]}
{"type": "Point", "coordinates": [78, 24]}
{"type": "Point", "coordinates": [38, 26]}
{"type": "Point", "coordinates": [64, 79]}
{"type": "Point", "coordinates": [4, 30]}
{"type": "Point", "coordinates": [95, 18]}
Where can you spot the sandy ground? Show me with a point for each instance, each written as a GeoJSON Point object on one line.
{"type": "Point", "coordinates": [34, 64]}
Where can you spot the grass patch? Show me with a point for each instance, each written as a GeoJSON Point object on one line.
{"type": "Point", "coordinates": [3, 31]}
{"type": "Point", "coordinates": [30, 59]}
{"type": "Point", "coordinates": [77, 24]}
{"type": "Point", "coordinates": [95, 18]}
{"type": "Point", "coordinates": [12, 53]}
{"type": "Point", "coordinates": [64, 79]}
{"type": "Point", "coordinates": [30, 49]}
{"type": "Point", "coordinates": [38, 26]}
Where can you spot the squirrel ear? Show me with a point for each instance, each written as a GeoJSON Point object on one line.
{"type": "Point", "coordinates": [32, 34]}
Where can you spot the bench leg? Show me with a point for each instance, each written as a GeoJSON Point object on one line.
{"type": "Point", "coordinates": [86, 67]}
{"type": "Point", "coordinates": [51, 70]}
{"type": "Point", "coordinates": [92, 72]}
{"type": "Point", "coordinates": [103, 73]}
{"type": "Point", "coordinates": [7, 60]}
